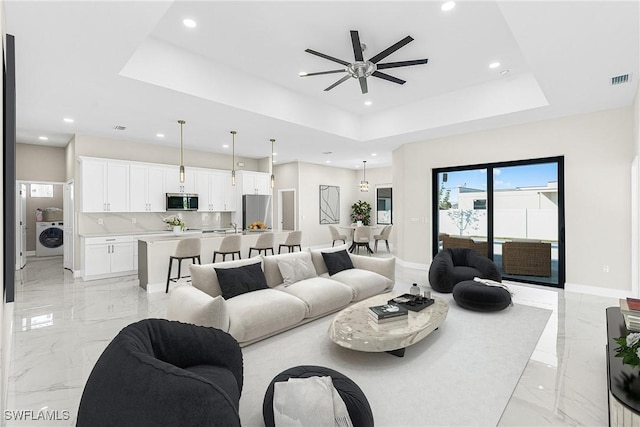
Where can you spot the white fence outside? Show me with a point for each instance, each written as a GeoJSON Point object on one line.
{"type": "Point", "coordinates": [540, 224]}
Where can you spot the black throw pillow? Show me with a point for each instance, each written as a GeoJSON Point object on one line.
{"type": "Point", "coordinates": [240, 280]}
{"type": "Point", "coordinates": [337, 261]}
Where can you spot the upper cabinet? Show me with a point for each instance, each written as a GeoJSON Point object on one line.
{"type": "Point", "coordinates": [172, 182]}
{"type": "Point", "coordinates": [215, 192]}
{"type": "Point", "coordinates": [146, 188]}
{"type": "Point", "coordinates": [104, 186]}
{"type": "Point", "coordinates": [255, 182]}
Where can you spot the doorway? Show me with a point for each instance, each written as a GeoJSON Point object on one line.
{"type": "Point", "coordinates": [511, 212]}
{"type": "Point", "coordinates": [287, 209]}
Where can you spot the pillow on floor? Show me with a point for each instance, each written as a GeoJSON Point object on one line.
{"type": "Point", "coordinates": [296, 269]}
{"type": "Point", "coordinates": [240, 280]}
{"type": "Point", "coordinates": [337, 261]}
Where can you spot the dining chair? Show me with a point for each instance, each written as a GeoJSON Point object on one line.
{"type": "Point", "coordinates": [361, 238]}
{"type": "Point", "coordinates": [336, 236]}
{"type": "Point", "coordinates": [384, 235]}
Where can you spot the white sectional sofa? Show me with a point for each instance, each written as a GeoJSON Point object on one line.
{"type": "Point", "coordinates": [287, 301]}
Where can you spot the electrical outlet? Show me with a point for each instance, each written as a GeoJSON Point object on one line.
{"type": "Point", "coordinates": [133, 220]}
{"type": "Point", "coordinates": [605, 268]}
{"type": "Point", "coordinates": [100, 221]}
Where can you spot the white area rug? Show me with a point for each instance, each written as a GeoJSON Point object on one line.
{"type": "Point", "coordinates": [462, 374]}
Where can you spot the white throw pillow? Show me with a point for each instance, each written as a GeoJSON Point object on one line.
{"type": "Point", "coordinates": [296, 269]}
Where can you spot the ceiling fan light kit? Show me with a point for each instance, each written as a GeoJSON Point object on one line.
{"type": "Point", "coordinates": [361, 69]}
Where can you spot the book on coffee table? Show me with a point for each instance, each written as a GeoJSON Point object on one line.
{"type": "Point", "coordinates": [387, 311]}
{"type": "Point", "coordinates": [395, 319]}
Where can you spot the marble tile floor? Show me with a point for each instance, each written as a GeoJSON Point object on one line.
{"type": "Point", "coordinates": [62, 325]}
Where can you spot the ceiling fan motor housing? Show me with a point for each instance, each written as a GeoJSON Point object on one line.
{"type": "Point", "coordinates": [361, 69]}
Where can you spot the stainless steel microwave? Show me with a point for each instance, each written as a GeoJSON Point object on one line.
{"type": "Point", "coordinates": [182, 202]}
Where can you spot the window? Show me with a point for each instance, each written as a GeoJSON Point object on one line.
{"type": "Point", "coordinates": [41, 190]}
{"type": "Point", "coordinates": [384, 205]}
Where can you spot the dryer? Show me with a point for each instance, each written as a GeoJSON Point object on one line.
{"type": "Point", "coordinates": [49, 238]}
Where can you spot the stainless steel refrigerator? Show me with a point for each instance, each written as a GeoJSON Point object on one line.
{"type": "Point", "coordinates": [256, 208]}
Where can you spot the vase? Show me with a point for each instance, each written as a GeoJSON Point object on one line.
{"type": "Point", "coordinates": [177, 230]}
{"type": "Point", "coordinates": [359, 223]}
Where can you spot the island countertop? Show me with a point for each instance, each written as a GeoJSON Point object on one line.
{"type": "Point", "coordinates": [154, 252]}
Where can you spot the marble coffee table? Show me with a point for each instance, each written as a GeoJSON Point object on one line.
{"type": "Point", "coordinates": [351, 328]}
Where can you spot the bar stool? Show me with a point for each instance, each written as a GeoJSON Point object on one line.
{"type": "Point", "coordinates": [229, 245]}
{"type": "Point", "coordinates": [264, 243]}
{"type": "Point", "coordinates": [294, 239]}
{"type": "Point", "coordinates": [187, 248]}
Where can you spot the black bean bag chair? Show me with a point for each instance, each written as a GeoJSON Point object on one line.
{"type": "Point", "coordinates": [162, 373]}
{"type": "Point", "coordinates": [455, 265]}
{"type": "Point", "coordinates": [353, 397]}
{"type": "Point", "coordinates": [479, 297]}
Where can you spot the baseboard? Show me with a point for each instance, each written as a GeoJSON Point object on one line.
{"type": "Point", "coordinates": [414, 265]}
{"type": "Point", "coordinates": [597, 291]}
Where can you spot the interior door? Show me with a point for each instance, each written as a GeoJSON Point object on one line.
{"type": "Point", "coordinates": [287, 201]}
{"type": "Point", "coordinates": [21, 226]}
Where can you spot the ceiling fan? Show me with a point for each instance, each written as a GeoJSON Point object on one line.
{"type": "Point", "coordinates": [361, 68]}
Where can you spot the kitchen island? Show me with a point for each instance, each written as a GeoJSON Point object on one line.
{"type": "Point", "coordinates": [154, 253]}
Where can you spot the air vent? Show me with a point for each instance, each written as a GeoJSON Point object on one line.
{"type": "Point", "coordinates": [119, 127]}
{"type": "Point", "coordinates": [617, 80]}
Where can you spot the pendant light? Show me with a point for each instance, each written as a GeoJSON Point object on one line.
{"type": "Point", "coordinates": [364, 184]}
{"type": "Point", "coordinates": [233, 157]}
{"type": "Point", "coordinates": [182, 122]}
{"type": "Point", "coordinates": [273, 178]}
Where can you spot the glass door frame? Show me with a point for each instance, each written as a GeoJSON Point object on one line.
{"type": "Point", "coordinates": [435, 208]}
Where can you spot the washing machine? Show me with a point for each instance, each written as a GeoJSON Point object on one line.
{"type": "Point", "coordinates": [49, 238]}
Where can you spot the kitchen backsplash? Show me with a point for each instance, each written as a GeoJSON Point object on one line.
{"type": "Point", "coordinates": [99, 223]}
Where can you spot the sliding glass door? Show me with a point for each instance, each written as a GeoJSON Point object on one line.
{"type": "Point", "coordinates": [511, 212]}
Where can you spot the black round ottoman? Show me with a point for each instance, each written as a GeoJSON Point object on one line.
{"type": "Point", "coordinates": [353, 397]}
{"type": "Point", "coordinates": [476, 296]}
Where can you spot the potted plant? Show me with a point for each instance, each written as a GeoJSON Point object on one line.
{"type": "Point", "coordinates": [175, 222]}
{"type": "Point", "coordinates": [361, 213]}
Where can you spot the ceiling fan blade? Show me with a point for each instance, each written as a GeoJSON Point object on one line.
{"type": "Point", "coordinates": [357, 47]}
{"type": "Point", "coordinates": [330, 58]}
{"type": "Point", "coordinates": [388, 51]}
{"type": "Point", "coordinates": [401, 64]}
{"type": "Point", "coordinates": [323, 72]}
{"type": "Point", "coordinates": [363, 85]}
{"type": "Point", "coordinates": [342, 80]}
{"type": "Point", "coordinates": [388, 77]}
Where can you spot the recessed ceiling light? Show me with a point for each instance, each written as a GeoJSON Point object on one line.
{"type": "Point", "coordinates": [225, 145]}
{"type": "Point", "coordinates": [374, 154]}
{"type": "Point", "coordinates": [68, 120]}
{"type": "Point", "coordinates": [327, 161]}
{"type": "Point", "coordinates": [274, 161]}
{"type": "Point", "coordinates": [367, 103]}
{"type": "Point", "coordinates": [189, 23]}
{"type": "Point", "coordinates": [494, 65]}
{"type": "Point", "coordinates": [275, 154]}
{"type": "Point", "coordinates": [160, 135]}
{"type": "Point", "coordinates": [43, 138]}
{"type": "Point", "coordinates": [448, 5]}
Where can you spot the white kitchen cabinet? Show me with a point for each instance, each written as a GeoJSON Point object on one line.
{"type": "Point", "coordinates": [255, 183]}
{"type": "Point", "coordinates": [105, 185]}
{"type": "Point", "coordinates": [172, 182]}
{"type": "Point", "coordinates": [215, 192]}
{"type": "Point", "coordinates": [146, 188]}
{"type": "Point", "coordinates": [107, 256]}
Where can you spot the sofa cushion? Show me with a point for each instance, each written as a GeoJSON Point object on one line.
{"type": "Point", "coordinates": [337, 261]}
{"type": "Point", "coordinates": [363, 283]}
{"type": "Point", "coordinates": [262, 313]}
{"type": "Point", "coordinates": [318, 260]}
{"type": "Point", "coordinates": [190, 305]}
{"type": "Point", "coordinates": [296, 269]}
{"type": "Point", "coordinates": [240, 280]}
{"type": "Point", "coordinates": [321, 295]}
{"type": "Point", "coordinates": [204, 276]}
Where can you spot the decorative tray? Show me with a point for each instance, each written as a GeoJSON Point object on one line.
{"type": "Point", "coordinates": [412, 302]}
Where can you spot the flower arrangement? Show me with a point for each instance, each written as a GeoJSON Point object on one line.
{"type": "Point", "coordinates": [257, 225]}
{"type": "Point", "coordinates": [629, 349]}
{"type": "Point", "coordinates": [361, 212]}
{"type": "Point", "coordinates": [174, 221]}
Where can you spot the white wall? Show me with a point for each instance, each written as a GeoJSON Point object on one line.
{"type": "Point", "coordinates": [598, 149]}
